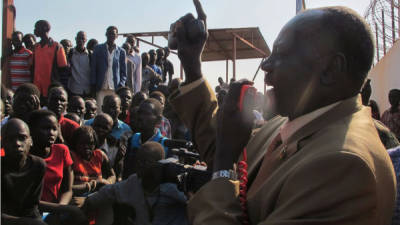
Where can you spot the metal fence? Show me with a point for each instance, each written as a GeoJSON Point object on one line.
{"type": "Point", "coordinates": [384, 18]}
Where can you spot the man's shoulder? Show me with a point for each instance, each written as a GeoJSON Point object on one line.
{"type": "Point", "coordinates": [123, 125]}
{"type": "Point", "coordinates": [38, 163]}
{"type": "Point", "coordinates": [89, 122]}
{"type": "Point", "coordinates": [68, 122]}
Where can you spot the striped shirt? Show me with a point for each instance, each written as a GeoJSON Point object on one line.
{"type": "Point", "coordinates": [20, 63]}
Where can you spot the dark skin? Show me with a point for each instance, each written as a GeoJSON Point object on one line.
{"type": "Point", "coordinates": [58, 101]}
{"type": "Point", "coordinates": [16, 145]}
{"type": "Point", "coordinates": [394, 100]}
{"type": "Point", "coordinates": [77, 105]}
{"type": "Point", "coordinates": [7, 102]}
{"type": "Point", "coordinates": [23, 104]}
{"type": "Point", "coordinates": [44, 135]}
{"type": "Point", "coordinates": [148, 170]}
{"type": "Point", "coordinates": [80, 40]}
{"type": "Point", "coordinates": [145, 59]}
{"type": "Point", "coordinates": [84, 148]}
{"type": "Point", "coordinates": [127, 47]}
{"type": "Point", "coordinates": [153, 57]}
{"type": "Point", "coordinates": [298, 61]}
{"type": "Point", "coordinates": [29, 43]}
{"type": "Point", "coordinates": [167, 52]}
{"type": "Point", "coordinates": [16, 41]}
{"type": "Point", "coordinates": [131, 40]}
{"type": "Point", "coordinates": [160, 54]}
{"type": "Point", "coordinates": [111, 36]}
{"type": "Point", "coordinates": [91, 109]}
{"type": "Point", "coordinates": [102, 124]}
{"type": "Point", "coordinates": [126, 99]}
{"type": "Point", "coordinates": [113, 108]}
{"type": "Point", "coordinates": [147, 121]}
{"type": "Point", "coordinates": [43, 32]}
{"type": "Point", "coordinates": [67, 45]}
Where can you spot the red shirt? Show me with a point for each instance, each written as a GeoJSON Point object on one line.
{"type": "Point", "coordinates": [58, 160]}
{"type": "Point", "coordinates": [85, 171]}
{"type": "Point", "coordinates": [20, 63]}
{"type": "Point", "coordinates": [43, 59]}
{"type": "Point", "coordinates": [67, 128]}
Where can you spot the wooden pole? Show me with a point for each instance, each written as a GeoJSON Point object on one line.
{"type": "Point", "coordinates": [227, 70]}
{"type": "Point", "coordinates": [8, 26]}
{"type": "Point", "coordinates": [234, 58]}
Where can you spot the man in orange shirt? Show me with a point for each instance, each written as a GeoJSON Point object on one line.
{"type": "Point", "coordinates": [49, 58]}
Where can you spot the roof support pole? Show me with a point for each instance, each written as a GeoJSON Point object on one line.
{"type": "Point", "coordinates": [234, 58]}
{"type": "Point", "coordinates": [227, 69]}
{"type": "Point", "coordinates": [7, 28]}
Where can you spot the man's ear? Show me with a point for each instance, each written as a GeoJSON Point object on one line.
{"type": "Point", "coordinates": [337, 66]}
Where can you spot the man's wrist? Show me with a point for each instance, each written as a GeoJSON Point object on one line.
{"type": "Point", "coordinates": [192, 71]}
{"type": "Point", "coordinates": [229, 174]}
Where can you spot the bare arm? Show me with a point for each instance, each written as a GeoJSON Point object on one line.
{"type": "Point", "coordinates": [66, 186]}
{"type": "Point", "coordinates": [107, 171]}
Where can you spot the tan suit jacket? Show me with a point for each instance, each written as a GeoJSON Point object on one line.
{"type": "Point", "coordinates": [337, 170]}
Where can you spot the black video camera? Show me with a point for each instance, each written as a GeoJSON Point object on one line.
{"type": "Point", "coordinates": [188, 178]}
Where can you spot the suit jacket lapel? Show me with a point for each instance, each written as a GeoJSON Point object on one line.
{"type": "Point", "coordinates": [343, 109]}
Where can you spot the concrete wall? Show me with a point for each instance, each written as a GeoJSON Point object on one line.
{"type": "Point", "coordinates": [385, 75]}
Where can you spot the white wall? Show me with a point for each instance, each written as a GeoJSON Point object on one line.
{"type": "Point", "coordinates": [385, 75]}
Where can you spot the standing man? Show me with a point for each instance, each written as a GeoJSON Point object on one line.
{"type": "Point", "coordinates": [391, 117]}
{"type": "Point", "coordinates": [130, 67]}
{"type": "Point", "coordinates": [137, 60]}
{"type": "Point", "coordinates": [160, 62]}
{"type": "Point", "coordinates": [49, 59]}
{"type": "Point", "coordinates": [20, 62]}
{"type": "Point", "coordinates": [324, 163]}
{"type": "Point", "coordinates": [168, 66]}
{"type": "Point", "coordinates": [79, 60]}
{"type": "Point", "coordinates": [152, 61]}
{"type": "Point", "coordinates": [108, 67]}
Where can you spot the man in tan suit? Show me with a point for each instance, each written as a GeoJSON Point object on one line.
{"type": "Point", "coordinates": [324, 163]}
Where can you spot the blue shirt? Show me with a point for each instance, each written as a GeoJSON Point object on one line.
{"type": "Point", "coordinates": [135, 141]}
{"type": "Point", "coordinates": [156, 69]}
{"type": "Point", "coordinates": [117, 130]}
{"type": "Point", "coordinates": [394, 154]}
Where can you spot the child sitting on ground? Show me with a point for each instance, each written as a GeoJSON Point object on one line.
{"type": "Point", "coordinates": [58, 178]}
{"type": "Point", "coordinates": [149, 117]}
{"type": "Point", "coordinates": [91, 166]}
{"type": "Point", "coordinates": [21, 176]}
{"type": "Point", "coordinates": [114, 149]}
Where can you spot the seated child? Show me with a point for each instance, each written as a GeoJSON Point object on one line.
{"type": "Point", "coordinates": [91, 108]}
{"type": "Point", "coordinates": [115, 149]}
{"type": "Point", "coordinates": [58, 178]}
{"type": "Point", "coordinates": [21, 176]}
{"type": "Point", "coordinates": [91, 166]}
{"type": "Point", "coordinates": [148, 118]}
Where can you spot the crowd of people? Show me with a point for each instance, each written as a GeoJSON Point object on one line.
{"type": "Point", "coordinates": [84, 129]}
